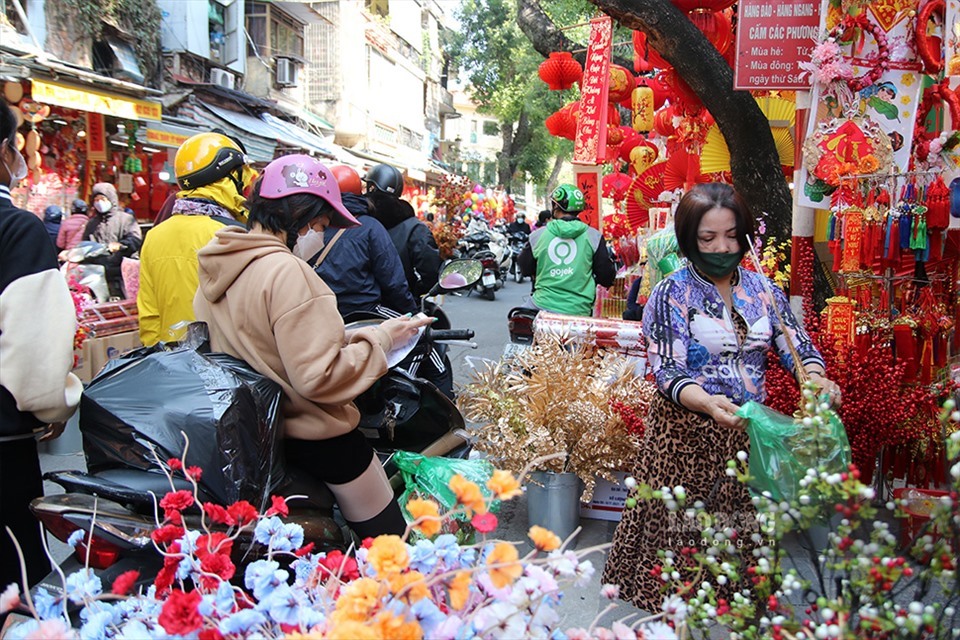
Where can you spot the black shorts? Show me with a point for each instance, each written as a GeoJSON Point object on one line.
{"type": "Point", "coordinates": [336, 460]}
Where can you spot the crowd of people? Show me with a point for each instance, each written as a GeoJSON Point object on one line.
{"type": "Point", "coordinates": [273, 262]}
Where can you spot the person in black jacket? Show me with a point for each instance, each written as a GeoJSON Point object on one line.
{"type": "Point", "coordinates": [37, 325]}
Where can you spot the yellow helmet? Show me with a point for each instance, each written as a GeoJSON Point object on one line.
{"type": "Point", "coordinates": [206, 158]}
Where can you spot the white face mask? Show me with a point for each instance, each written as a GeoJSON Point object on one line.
{"type": "Point", "coordinates": [19, 170]}
{"type": "Point", "coordinates": [309, 244]}
{"type": "Point", "coordinates": [103, 205]}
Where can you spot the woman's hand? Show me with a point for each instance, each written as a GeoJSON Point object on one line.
{"type": "Point", "coordinates": [831, 388]}
{"type": "Point", "coordinates": [402, 329]}
{"type": "Point", "coordinates": [723, 412]}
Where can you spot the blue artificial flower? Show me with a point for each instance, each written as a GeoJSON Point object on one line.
{"type": "Point", "coordinates": [267, 529]}
{"type": "Point", "coordinates": [76, 538]}
{"type": "Point", "coordinates": [428, 615]}
{"type": "Point", "coordinates": [134, 630]}
{"type": "Point", "coordinates": [96, 626]}
{"type": "Point", "coordinates": [282, 604]}
{"type": "Point", "coordinates": [303, 568]}
{"type": "Point", "coordinates": [188, 566]}
{"type": "Point", "coordinates": [447, 549]}
{"type": "Point", "coordinates": [225, 600]}
{"type": "Point", "coordinates": [289, 538]}
{"type": "Point", "coordinates": [558, 635]}
{"type": "Point", "coordinates": [206, 607]}
{"type": "Point", "coordinates": [82, 585]}
{"type": "Point", "coordinates": [424, 557]}
{"type": "Point", "coordinates": [310, 617]}
{"type": "Point", "coordinates": [263, 576]}
{"type": "Point", "coordinates": [468, 557]}
{"type": "Point", "coordinates": [188, 541]}
{"type": "Point", "coordinates": [241, 622]}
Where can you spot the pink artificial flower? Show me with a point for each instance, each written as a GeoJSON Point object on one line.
{"type": "Point", "coordinates": [610, 591]}
{"type": "Point", "coordinates": [484, 522]}
{"type": "Point", "coordinates": [278, 507]}
{"type": "Point", "coordinates": [53, 629]}
{"type": "Point", "coordinates": [10, 598]}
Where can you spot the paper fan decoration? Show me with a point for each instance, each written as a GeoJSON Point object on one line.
{"type": "Point", "coordinates": [647, 187]}
{"type": "Point", "coordinates": [781, 114]}
{"type": "Point", "coordinates": [683, 170]}
{"type": "Point", "coordinates": [638, 216]}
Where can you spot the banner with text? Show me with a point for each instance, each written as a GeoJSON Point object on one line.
{"type": "Point", "coordinates": [772, 39]}
{"type": "Point", "coordinates": [96, 138]}
{"type": "Point", "coordinates": [590, 143]}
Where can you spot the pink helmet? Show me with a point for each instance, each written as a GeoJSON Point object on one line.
{"type": "Point", "coordinates": [288, 175]}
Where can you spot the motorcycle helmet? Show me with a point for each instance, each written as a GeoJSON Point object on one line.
{"type": "Point", "coordinates": [289, 175]}
{"type": "Point", "coordinates": [79, 206]}
{"type": "Point", "coordinates": [385, 178]}
{"type": "Point", "coordinates": [206, 158]}
{"type": "Point", "coordinates": [347, 179]}
{"type": "Point", "coordinates": [568, 198]}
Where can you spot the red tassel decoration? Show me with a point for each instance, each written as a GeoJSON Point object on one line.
{"type": "Point", "coordinates": [905, 345]}
{"type": "Point", "coordinates": [938, 205]}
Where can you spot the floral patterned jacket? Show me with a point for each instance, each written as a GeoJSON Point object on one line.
{"type": "Point", "coordinates": [691, 337]}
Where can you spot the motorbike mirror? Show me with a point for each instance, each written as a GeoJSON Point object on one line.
{"type": "Point", "coordinates": [458, 274]}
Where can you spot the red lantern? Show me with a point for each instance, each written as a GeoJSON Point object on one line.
{"type": "Point", "coordinates": [680, 88]}
{"type": "Point", "coordinates": [660, 91]}
{"type": "Point", "coordinates": [614, 135]}
{"type": "Point", "coordinates": [710, 5]}
{"type": "Point", "coordinates": [716, 26]}
{"type": "Point", "coordinates": [560, 71]}
{"type": "Point", "coordinates": [563, 123]}
{"type": "Point", "coordinates": [640, 62]}
{"type": "Point", "coordinates": [663, 123]}
{"type": "Point", "coordinates": [642, 49]}
{"type": "Point", "coordinates": [630, 141]}
{"type": "Point", "coordinates": [622, 83]}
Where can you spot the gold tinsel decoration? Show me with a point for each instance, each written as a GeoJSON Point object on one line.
{"type": "Point", "coordinates": [558, 396]}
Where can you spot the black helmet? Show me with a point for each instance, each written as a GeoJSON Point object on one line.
{"type": "Point", "coordinates": [385, 178]}
{"type": "Point", "coordinates": [79, 206]}
{"type": "Point", "coordinates": [53, 213]}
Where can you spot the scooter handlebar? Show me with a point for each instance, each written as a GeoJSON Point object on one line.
{"type": "Point", "coordinates": [451, 334]}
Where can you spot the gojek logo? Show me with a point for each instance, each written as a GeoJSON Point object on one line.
{"type": "Point", "coordinates": [562, 251]}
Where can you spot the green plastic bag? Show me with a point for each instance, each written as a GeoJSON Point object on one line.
{"type": "Point", "coordinates": [429, 477]}
{"type": "Point", "coordinates": [782, 449]}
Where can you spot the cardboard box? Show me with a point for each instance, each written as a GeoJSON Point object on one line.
{"type": "Point", "coordinates": [97, 351]}
{"type": "Point", "coordinates": [608, 499]}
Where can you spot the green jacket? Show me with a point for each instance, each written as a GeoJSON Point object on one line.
{"type": "Point", "coordinates": [571, 260]}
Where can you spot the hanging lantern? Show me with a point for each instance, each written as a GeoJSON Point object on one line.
{"type": "Point", "coordinates": [643, 156]}
{"type": "Point", "coordinates": [716, 26]}
{"type": "Point", "coordinates": [680, 88]}
{"type": "Point", "coordinates": [561, 124]}
{"type": "Point", "coordinates": [622, 83]}
{"type": "Point", "coordinates": [643, 109]}
{"type": "Point", "coordinates": [640, 62]}
{"type": "Point", "coordinates": [614, 135]}
{"type": "Point", "coordinates": [560, 71]}
{"type": "Point", "coordinates": [663, 123]}
{"type": "Point", "coordinates": [709, 5]}
{"type": "Point", "coordinates": [631, 140]}
{"type": "Point", "coordinates": [643, 49]}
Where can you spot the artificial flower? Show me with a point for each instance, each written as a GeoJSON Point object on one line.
{"type": "Point", "coordinates": [358, 600]}
{"type": "Point", "coordinates": [337, 564]}
{"type": "Point", "coordinates": [242, 512]}
{"type": "Point", "coordinates": [278, 507]}
{"type": "Point", "coordinates": [10, 598]}
{"type": "Point", "coordinates": [544, 539]}
{"type": "Point", "coordinates": [484, 522]}
{"type": "Point", "coordinates": [388, 554]}
{"type": "Point", "coordinates": [397, 627]}
{"type": "Point", "coordinates": [122, 584]}
{"type": "Point", "coordinates": [869, 163]}
{"type": "Point", "coordinates": [458, 590]}
{"type": "Point", "coordinates": [468, 494]}
{"type": "Point", "coordinates": [217, 514]}
{"type": "Point", "coordinates": [428, 514]}
{"type": "Point", "coordinates": [504, 554]}
{"type": "Point", "coordinates": [409, 586]}
{"type": "Point", "coordinates": [179, 615]}
{"type": "Point", "coordinates": [352, 630]}
{"type": "Point", "coordinates": [504, 485]}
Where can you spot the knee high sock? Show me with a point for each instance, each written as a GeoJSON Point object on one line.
{"type": "Point", "coordinates": [368, 504]}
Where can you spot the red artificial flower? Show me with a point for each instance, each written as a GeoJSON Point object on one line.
{"type": "Point", "coordinates": [211, 633]}
{"type": "Point", "coordinates": [175, 502]}
{"type": "Point", "coordinates": [367, 543]}
{"type": "Point", "coordinates": [216, 543]}
{"type": "Point", "coordinates": [175, 464]}
{"type": "Point", "coordinates": [218, 514]}
{"type": "Point", "coordinates": [242, 512]}
{"type": "Point", "coordinates": [219, 565]}
{"type": "Point", "coordinates": [179, 614]}
{"type": "Point", "coordinates": [484, 522]}
{"type": "Point", "coordinates": [339, 565]}
{"type": "Point", "coordinates": [304, 550]}
{"type": "Point", "coordinates": [279, 507]}
{"type": "Point", "coordinates": [164, 580]}
{"type": "Point", "coordinates": [166, 534]}
{"type": "Point", "coordinates": [124, 583]}
{"type": "Point", "coordinates": [194, 473]}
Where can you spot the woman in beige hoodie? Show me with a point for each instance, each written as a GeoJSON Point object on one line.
{"type": "Point", "coordinates": [264, 304]}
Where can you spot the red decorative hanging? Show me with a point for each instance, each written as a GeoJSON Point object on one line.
{"type": "Point", "coordinates": [560, 71]}
{"type": "Point", "coordinates": [716, 26]}
{"type": "Point", "coordinates": [640, 62]}
{"type": "Point", "coordinates": [563, 123]}
{"type": "Point", "coordinates": [622, 83]}
{"type": "Point", "coordinates": [630, 142]}
{"type": "Point", "coordinates": [663, 123]}
{"type": "Point", "coordinates": [615, 185]}
{"type": "Point", "coordinates": [938, 205]}
{"type": "Point", "coordinates": [680, 88]}
{"type": "Point", "coordinates": [643, 49]}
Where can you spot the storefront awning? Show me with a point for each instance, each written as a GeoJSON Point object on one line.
{"type": "Point", "coordinates": [87, 99]}
{"type": "Point", "coordinates": [167, 134]}
{"type": "Point", "coordinates": [295, 136]}
{"type": "Point", "coordinates": [259, 149]}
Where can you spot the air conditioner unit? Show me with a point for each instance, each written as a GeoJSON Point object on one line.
{"type": "Point", "coordinates": [222, 78]}
{"type": "Point", "coordinates": [286, 72]}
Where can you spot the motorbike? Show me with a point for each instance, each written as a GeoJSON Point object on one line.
{"type": "Point", "coordinates": [114, 503]}
{"type": "Point", "coordinates": [520, 324]}
{"type": "Point", "coordinates": [477, 246]}
{"type": "Point", "coordinates": [517, 240]}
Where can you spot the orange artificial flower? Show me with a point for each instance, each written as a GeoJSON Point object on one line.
{"type": "Point", "coordinates": [358, 600]}
{"type": "Point", "coordinates": [459, 590]}
{"type": "Point", "coordinates": [413, 582]}
{"type": "Point", "coordinates": [430, 512]}
{"type": "Point", "coordinates": [869, 163]}
{"type": "Point", "coordinates": [388, 554]}
{"type": "Point", "coordinates": [504, 554]}
{"type": "Point", "coordinates": [468, 494]}
{"type": "Point", "coordinates": [544, 539]}
{"type": "Point", "coordinates": [504, 485]}
{"type": "Point", "coordinates": [397, 627]}
{"type": "Point", "coordinates": [352, 630]}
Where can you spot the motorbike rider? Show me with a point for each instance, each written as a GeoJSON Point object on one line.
{"type": "Point", "coordinates": [360, 264]}
{"type": "Point", "coordinates": [414, 241]}
{"type": "Point", "coordinates": [209, 168]}
{"type": "Point", "coordinates": [519, 225]}
{"type": "Point", "coordinates": [116, 229]}
{"type": "Point", "coordinates": [71, 229]}
{"type": "Point", "coordinates": [568, 257]}
{"type": "Point", "coordinates": [37, 328]}
{"type": "Point", "coordinates": [263, 304]}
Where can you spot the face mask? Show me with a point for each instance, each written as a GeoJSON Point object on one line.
{"type": "Point", "coordinates": [716, 265]}
{"type": "Point", "coordinates": [19, 170]}
{"type": "Point", "coordinates": [102, 206]}
{"type": "Point", "coordinates": [309, 244]}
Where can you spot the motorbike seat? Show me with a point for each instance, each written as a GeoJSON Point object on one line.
{"type": "Point", "coordinates": [131, 487]}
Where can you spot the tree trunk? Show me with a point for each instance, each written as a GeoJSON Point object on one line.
{"type": "Point", "coordinates": [503, 164]}
{"type": "Point", "coordinates": [555, 174]}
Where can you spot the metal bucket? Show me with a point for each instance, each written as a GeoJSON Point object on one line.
{"type": "Point", "coordinates": [553, 501]}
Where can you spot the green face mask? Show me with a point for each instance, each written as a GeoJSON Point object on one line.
{"type": "Point", "coordinates": [716, 265]}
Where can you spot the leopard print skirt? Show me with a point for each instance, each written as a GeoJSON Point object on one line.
{"type": "Point", "coordinates": [679, 448]}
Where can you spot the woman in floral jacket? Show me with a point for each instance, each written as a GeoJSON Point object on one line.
{"type": "Point", "coordinates": [708, 327]}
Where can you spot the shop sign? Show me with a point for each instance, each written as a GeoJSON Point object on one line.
{"type": "Point", "coordinates": [772, 39]}
{"type": "Point", "coordinates": [95, 101]}
{"type": "Point", "coordinates": [165, 138]}
{"type": "Point", "coordinates": [96, 138]}
{"type": "Point", "coordinates": [590, 143]}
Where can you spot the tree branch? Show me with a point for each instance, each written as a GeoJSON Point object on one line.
{"type": "Point", "coordinates": [546, 37]}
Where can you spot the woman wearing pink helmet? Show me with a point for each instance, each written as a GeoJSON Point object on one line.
{"type": "Point", "coordinates": [264, 304]}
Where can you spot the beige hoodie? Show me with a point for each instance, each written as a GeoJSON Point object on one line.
{"type": "Point", "coordinates": [267, 307]}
